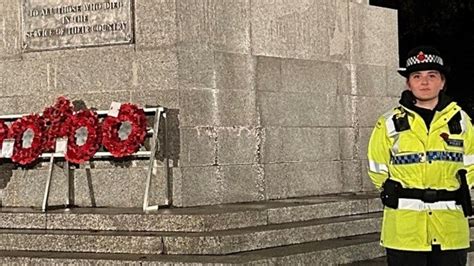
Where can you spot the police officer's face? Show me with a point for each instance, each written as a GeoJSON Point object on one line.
{"type": "Point", "coordinates": [426, 84]}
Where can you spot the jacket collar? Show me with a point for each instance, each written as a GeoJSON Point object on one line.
{"type": "Point", "coordinates": [408, 100]}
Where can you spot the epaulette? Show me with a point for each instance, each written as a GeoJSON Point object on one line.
{"type": "Point", "coordinates": [454, 124]}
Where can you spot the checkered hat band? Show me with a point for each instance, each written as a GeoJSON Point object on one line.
{"type": "Point", "coordinates": [429, 58]}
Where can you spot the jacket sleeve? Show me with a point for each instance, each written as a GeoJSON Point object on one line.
{"type": "Point", "coordinates": [468, 157]}
{"type": "Point", "coordinates": [379, 154]}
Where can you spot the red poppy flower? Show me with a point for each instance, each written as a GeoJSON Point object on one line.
{"type": "Point", "coordinates": [444, 136]}
{"type": "Point", "coordinates": [54, 118]}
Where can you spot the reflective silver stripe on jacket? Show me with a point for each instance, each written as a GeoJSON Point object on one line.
{"type": "Point", "coordinates": [390, 125]}
{"type": "Point", "coordinates": [464, 121]}
{"type": "Point", "coordinates": [377, 167]}
{"type": "Point", "coordinates": [468, 159]}
{"type": "Point", "coordinates": [391, 131]}
{"type": "Point", "coordinates": [419, 205]}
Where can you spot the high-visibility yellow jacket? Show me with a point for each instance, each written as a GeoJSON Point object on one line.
{"type": "Point", "coordinates": [423, 159]}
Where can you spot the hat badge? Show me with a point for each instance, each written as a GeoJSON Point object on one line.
{"type": "Point", "coordinates": [421, 56]}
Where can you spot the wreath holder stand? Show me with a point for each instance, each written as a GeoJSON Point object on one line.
{"type": "Point", "coordinates": [159, 112]}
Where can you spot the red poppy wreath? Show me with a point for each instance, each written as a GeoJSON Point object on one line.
{"type": "Point", "coordinates": [83, 136]}
{"type": "Point", "coordinates": [28, 133]}
{"type": "Point", "coordinates": [54, 118]}
{"type": "Point", "coordinates": [3, 131]}
{"type": "Point", "coordinates": [123, 135]}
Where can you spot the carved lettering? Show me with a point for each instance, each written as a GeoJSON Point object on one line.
{"type": "Point", "coordinates": [49, 11]}
{"type": "Point", "coordinates": [80, 19]}
{"type": "Point", "coordinates": [47, 26]}
{"type": "Point", "coordinates": [43, 33]}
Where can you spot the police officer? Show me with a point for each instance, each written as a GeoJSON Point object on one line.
{"type": "Point", "coordinates": [414, 153]}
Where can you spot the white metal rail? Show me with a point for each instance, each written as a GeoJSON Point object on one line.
{"type": "Point", "coordinates": [159, 113]}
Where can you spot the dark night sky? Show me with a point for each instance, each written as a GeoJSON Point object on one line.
{"type": "Point", "coordinates": [447, 25]}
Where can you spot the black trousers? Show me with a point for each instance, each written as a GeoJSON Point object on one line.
{"type": "Point", "coordinates": [436, 257]}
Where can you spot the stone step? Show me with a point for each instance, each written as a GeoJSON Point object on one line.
{"type": "Point", "coordinates": [334, 251]}
{"type": "Point", "coordinates": [196, 219]}
{"type": "Point", "coordinates": [215, 242]}
{"type": "Point", "coordinates": [239, 240]}
{"type": "Point", "coordinates": [80, 241]}
{"type": "Point", "coordinates": [372, 262]}
{"type": "Point", "coordinates": [383, 260]}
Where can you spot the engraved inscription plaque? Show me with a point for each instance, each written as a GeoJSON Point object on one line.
{"type": "Point", "coordinates": [56, 24]}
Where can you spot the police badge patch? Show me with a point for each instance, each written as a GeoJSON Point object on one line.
{"type": "Point", "coordinates": [454, 142]}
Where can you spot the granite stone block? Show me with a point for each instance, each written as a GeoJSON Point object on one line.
{"type": "Point", "coordinates": [110, 187]}
{"type": "Point", "coordinates": [118, 187]}
{"type": "Point", "coordinates": [374, 32]}
{"type": "Point", "coordinates": [348, 138]}
{"type": "Point", "coordinates": [241, 184]}
{"type": "Point", "coordinates": [198, 146]}
{"type": "Point", "coordinates": [284, 180]}
{"type": "Point", "coordinates": [198, 107]}
{"type": "Point", "coordinates": [396, 83]}
{"type": "Point", "coordinates": [304, 30]}
{"type": "Point", "coordinates": [268, 73]}
{"type": "Point", "coordinates": [23, 105]}
{"type": "Point", "coordinates": [351, 176]}
{"type": "Point", "coordinates": [347, 112]}
{"type": "Point", "coordinates": [245, 240]}
{"type": "Point", "coordinates": [363, 142]}
{"type": "Point", "coordinates": [196, 66]}
{"type": "Point", "coordinates": [236, 108]}
{"type": "Point", "coordinates": [313, 76]}
{"type": "Point", "coordinates": [339, 255]}
{"type": "Point", "coordinates": [155, 24]}
{"type": "Point", "coordinates": [345, 82]}
{"type": "Point", "coordinates": [219, 25]}
{"type": "Point", "coordinates": [371, 80]}
{"type": "Point", "coordinates": [165, 98]}
{"type": "Point", "coordinates": [164, 220]}
{"type": "Point", "coordinates": [156, 69]}
{"type": "Point", "coordinates": [297, 109]}
{"type": "Point", "coordinates": [237, 145]}
{"type": "Point", "coordinates": [194, 186]}
{"type": "Point", "coordinates": [195, 21]}
{"type": "Point", "coordinates": [81, 242]}
{"type": "Point", "coordinates": [306, 212]}
{"type": "Point", "coordinates": [6, 170]}
{"type": "Point", "coordinates": [2, 70]}
{"type": "Point", "coordinates": [176, 175]}
{"type": "Point", "coordinates": [232, 26]}
{"type": "Point", "coordinates": [22, 78]}
{"type": "Point", "coordinates": [234, 71]}
{"type": "Point", "coordinates": [7, 106]}
{"type": "Point", "coordinates": [300, 144]}
{"type": "Point", "coordinates": [369, 109]}
{"type": "Point", "coordinates": [375, 205]}
{"type": "Point", "coordinates": [10, 44]}
{"type": "Point", "coordinates": [97, 100]}
{"type": "Point", "coordinates": [338, 252]}
{"type": "Point", "coordinates": [22, 220]}
{"type": "Point", "coordinates": [81, 72]}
